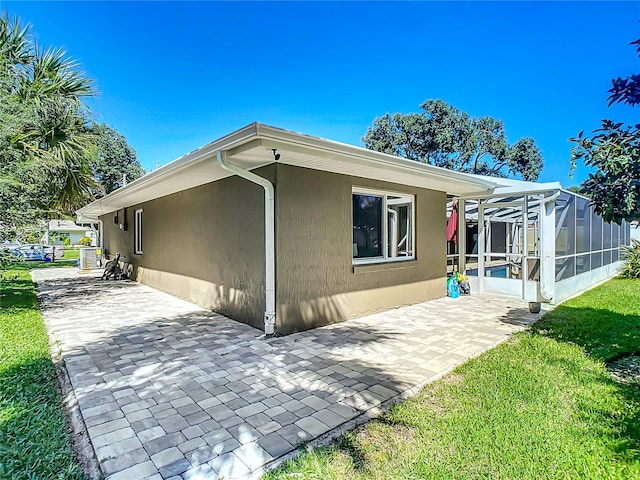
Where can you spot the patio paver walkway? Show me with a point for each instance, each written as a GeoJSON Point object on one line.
{"type": "Point", "coordinates": [170, 390]}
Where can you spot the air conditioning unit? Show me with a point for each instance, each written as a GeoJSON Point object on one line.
{"type": "Point", "coordinates": [88, 259]}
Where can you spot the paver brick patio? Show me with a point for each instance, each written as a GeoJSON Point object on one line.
{"type": "Point", "coordinates": [170, 390]}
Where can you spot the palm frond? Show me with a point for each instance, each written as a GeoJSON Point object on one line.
{"type": "Point", "coordinates": [78, 185]}
{"type": "Point", "coordinates": [53, 75]}
{"type": "Point", "coordinates": [15, 43]}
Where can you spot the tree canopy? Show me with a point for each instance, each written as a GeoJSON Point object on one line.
{"type": "Point", "coordinates": [444, 136]}
{"type": "Point", "coordinates": [53, 157]}
{"type": "Point", "coordinates": [115, 158]}
{"type": "Point", "coordinates": [626, 90]}
{"type": "Point", "coordinates": [613, 151]}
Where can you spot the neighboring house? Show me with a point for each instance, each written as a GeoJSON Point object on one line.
{"type": "Point", "coordinates": [59, 230]}
{"type": "Point", "coordinates": [286, 232]}
{"type": "Point", "coordinates": [346, 231]}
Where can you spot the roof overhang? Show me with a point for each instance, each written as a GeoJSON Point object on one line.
{"type": "Point", "coordinates": [509, 187]}
{"type": "Point", "coordinates": [252, 147]}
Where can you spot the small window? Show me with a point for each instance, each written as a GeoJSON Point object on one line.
{"type": "Point", "coordinates": [137, 232]}
{"type": "Point", "coordinates": [383, 226]}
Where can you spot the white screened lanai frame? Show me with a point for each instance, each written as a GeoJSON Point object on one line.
{"type": "Point", "coordinates": [564, 248]}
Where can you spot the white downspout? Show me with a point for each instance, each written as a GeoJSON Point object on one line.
{"type": "Point", "coordinates": [269, 238]}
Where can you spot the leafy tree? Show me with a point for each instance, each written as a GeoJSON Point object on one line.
{"type": "Point", "coordinates": [444, 136]}
{"type": "Point", "coordinates": [626, 90]}
{"type": "Point", "coordinates": [525, 158]}
{"type": "Point", "coordinates": [575, 189]}
{"type": "Point", "coordinates": [115, 158]}
{"type": "Point", "coordinates": [613, 151]}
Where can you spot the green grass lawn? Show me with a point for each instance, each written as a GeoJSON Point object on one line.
{"type": "Point", "coordinates": [540, 406]}
{"type": "Point", "coordinates": [34, 441]}
{"type": "Point", "coordinates": [71, 253]}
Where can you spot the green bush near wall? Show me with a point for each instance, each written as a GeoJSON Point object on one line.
{"type": "Point", "coordinates": [631, 256]}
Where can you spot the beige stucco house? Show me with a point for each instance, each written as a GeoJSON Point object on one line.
{"type": "Point", "coordinates": [285, 231]}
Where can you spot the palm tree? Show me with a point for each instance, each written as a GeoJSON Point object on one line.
{"type": "Point", "coordinates": [15, 47]}
{"type": "Point", "coordinates": [42, 91]}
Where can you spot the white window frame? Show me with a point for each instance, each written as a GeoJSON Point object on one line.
{"type": "Point", "coordinates": [385, 258]}
{"type": "Point", "coordinates": [137, 231]}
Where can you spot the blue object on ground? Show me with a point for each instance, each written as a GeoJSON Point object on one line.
{"type": "Point", "coordinates": [452, 287]}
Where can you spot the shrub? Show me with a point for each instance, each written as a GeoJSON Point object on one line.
{"type": "Point", "coordinates": [631, 256]}
{"type": "Point", "coordinates": [32, 236]}
{"type": "Point", "coordinates": [7, 258]}
{"type": "Point", "coordinates": [85, 241]}
{"type": "Point", "coordinates": [66, 241]}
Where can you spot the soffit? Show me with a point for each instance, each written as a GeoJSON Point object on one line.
{"type": "Point", "coordinates": [400, 171]}
{"type": "Point", "coordinates": [251, 148]}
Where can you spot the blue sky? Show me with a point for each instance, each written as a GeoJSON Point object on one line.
{"type": "Point", "coordinates": [174, 76]}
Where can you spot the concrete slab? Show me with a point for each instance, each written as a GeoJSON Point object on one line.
{"type": "Point", "coordinates": [168, 389]}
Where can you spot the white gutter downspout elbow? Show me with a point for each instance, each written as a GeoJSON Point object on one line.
{"type": "Point", "coordinates": [269, 238]}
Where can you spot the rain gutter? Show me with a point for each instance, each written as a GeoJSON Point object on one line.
{"type": "Point", "coordinates": [269, 237]}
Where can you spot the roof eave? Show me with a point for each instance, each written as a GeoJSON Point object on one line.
{"type": "Point", "coordinates": [309, 141]}
{"type": "Point", "coordinates": [458, 181]}
{"type": "Point", "coordinates": [172, 168]}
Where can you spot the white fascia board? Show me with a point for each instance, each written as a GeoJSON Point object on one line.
{"type": "Point", "coordinates": [201, 153]}
{"type": "Point", "coordinates": [320, 144]}
{"type": "Point", "coordinates": [531, 189]}
{"type": "Point", "coordinates": [575, 194]}
{"type": "Point", "coordinates": [102, 205]}
{"type": "Point", "coordinates": [505, 182]}
{"type": "Point", "coordinates": [518, 190]}
{"type": "Point", "coordinates": [526, 186]}
{"type": "Point", "coordinates": [357, 155]}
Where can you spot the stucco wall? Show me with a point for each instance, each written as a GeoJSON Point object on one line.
{"type": "Point", "coordinates": [316, 281]}
{"type": "Point", "coordinates": [205, 244]}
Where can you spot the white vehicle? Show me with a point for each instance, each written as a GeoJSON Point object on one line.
{"type": "Point", "coordinates": [37, 252]}
{"type": "Point", "coordinates": [58, 249]}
